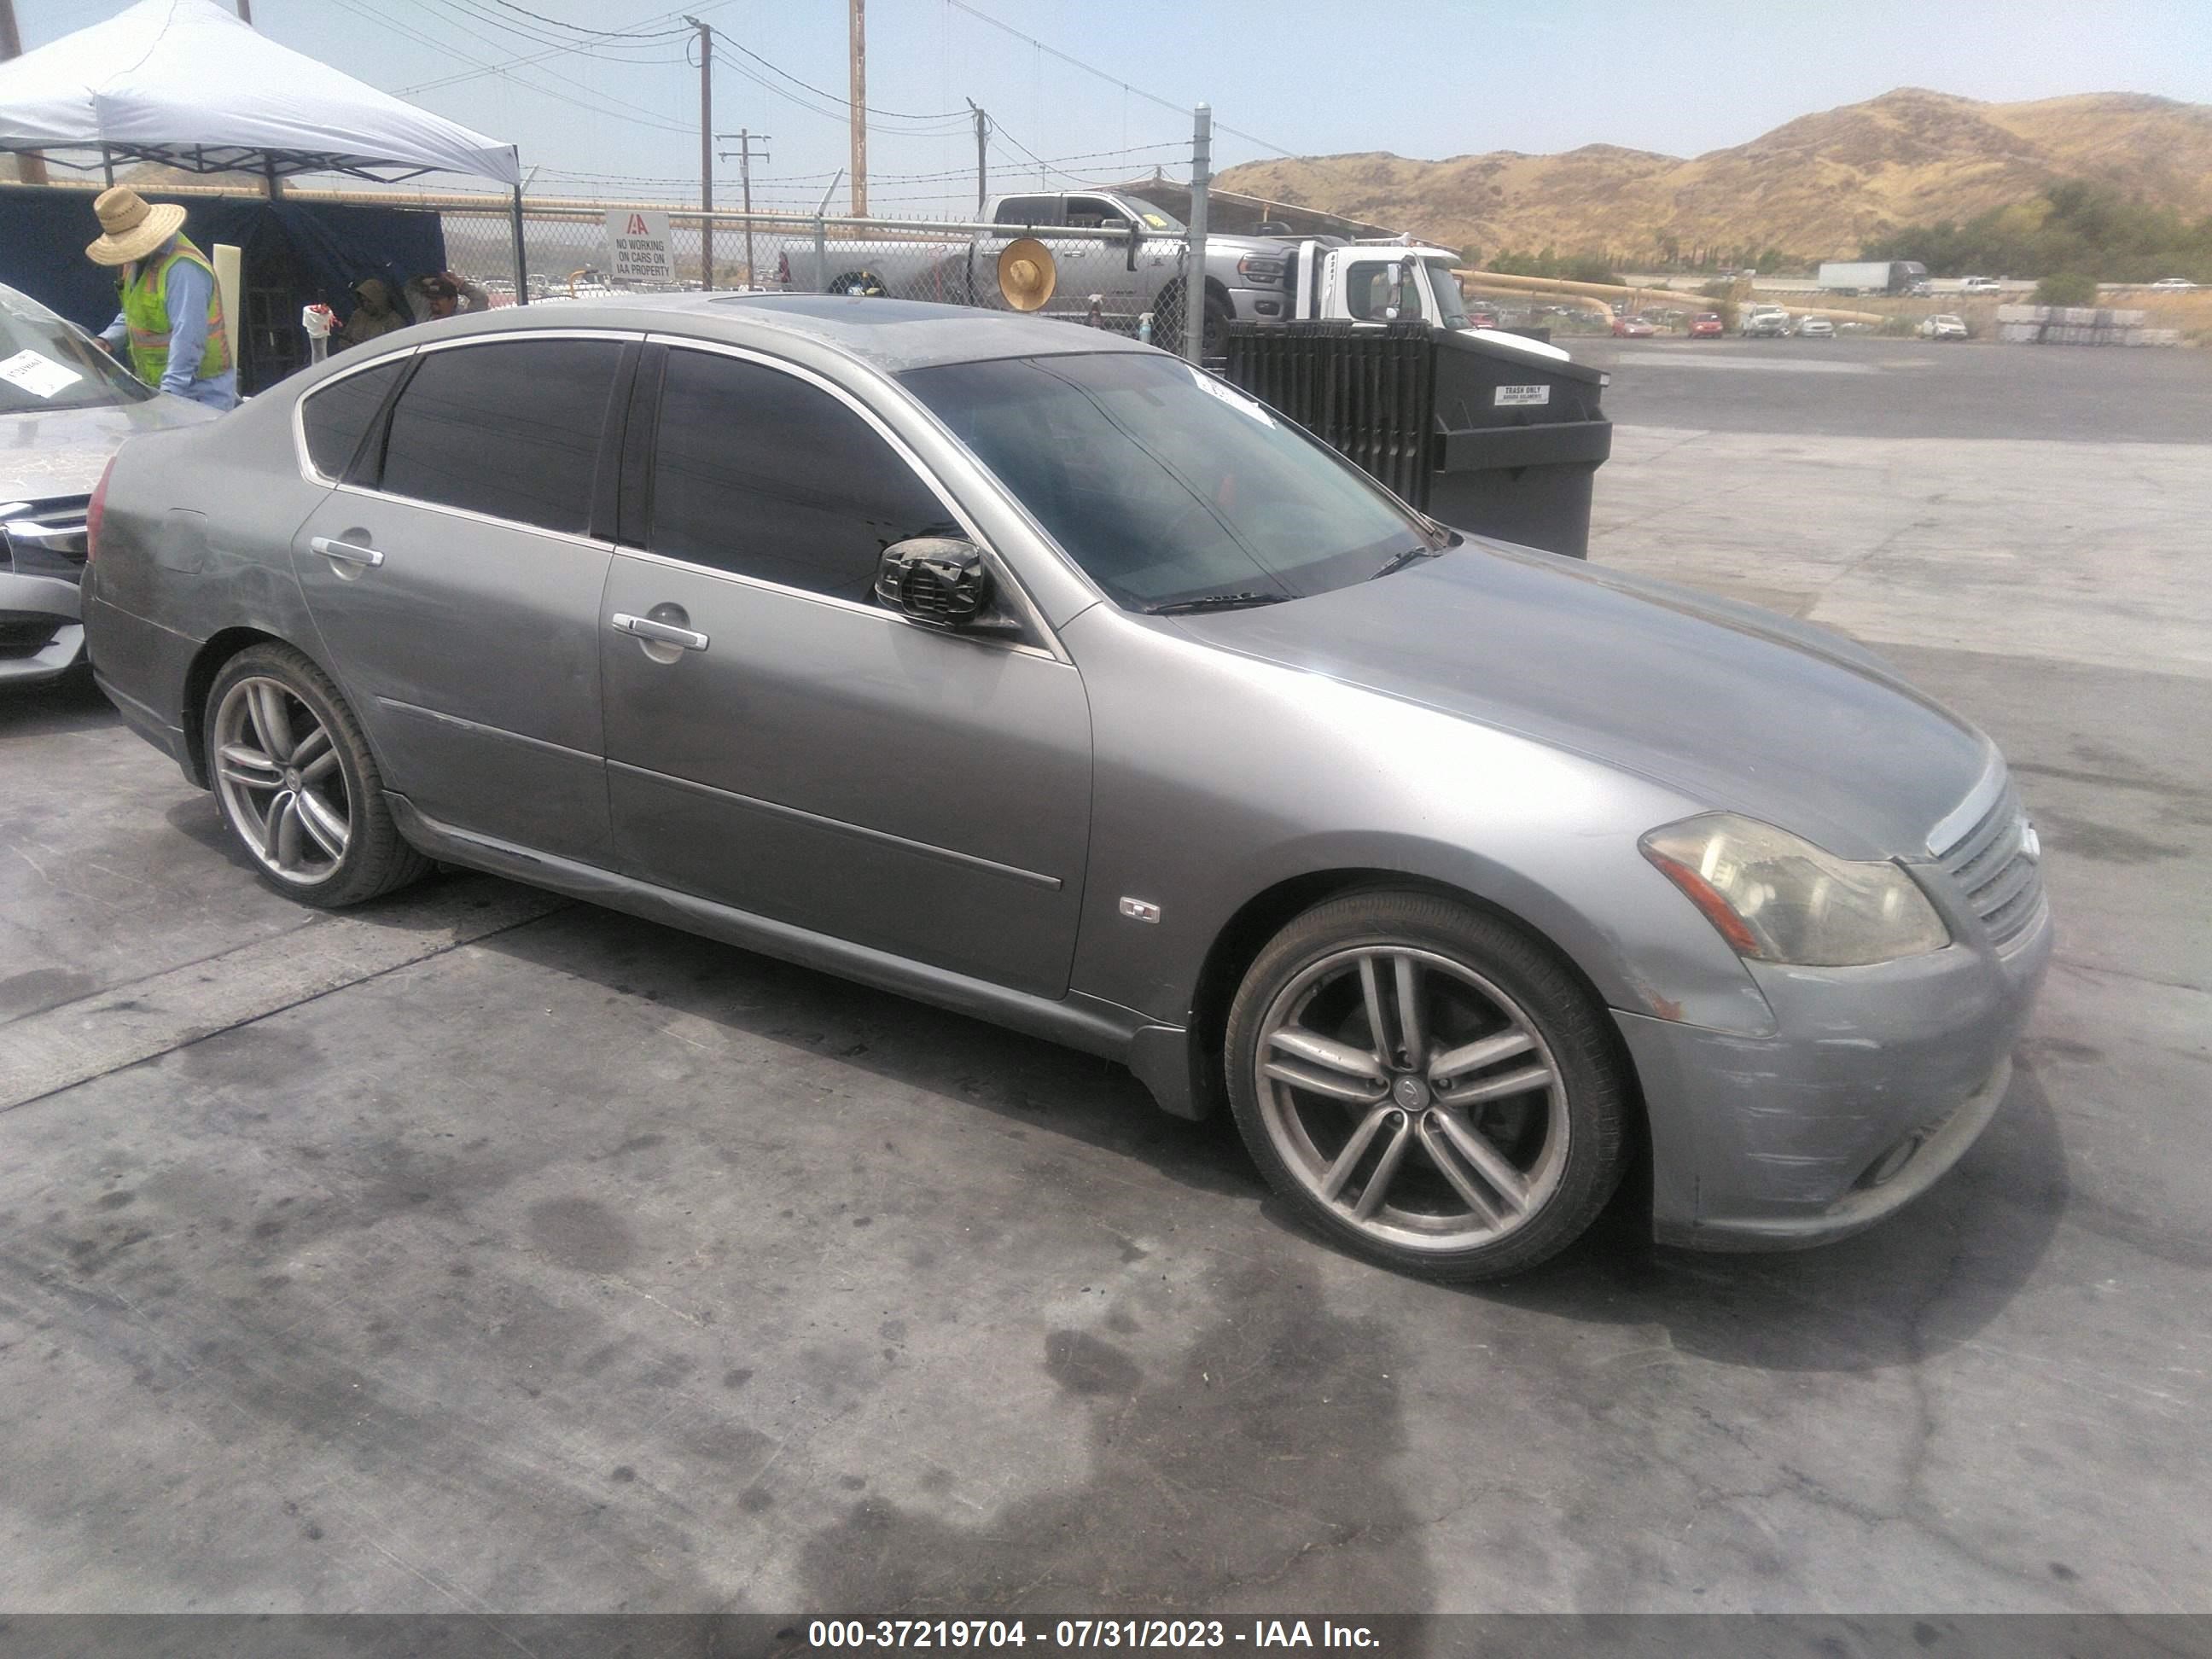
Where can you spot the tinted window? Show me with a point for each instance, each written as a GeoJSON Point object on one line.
{"type": "Point", "coordinates": [1368, 292]}
{"type": "Point", "coordinates": [1029, 210]}
{"type": "Point", "coordinates": [336, 417]}
{"type": "Point", "coordinates": [510, 429]}
{"type": "Point", "coordinates": [757, 472]}
{"type": "Point", "coordinates": [1163, 482]}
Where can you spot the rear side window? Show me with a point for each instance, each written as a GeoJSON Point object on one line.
{"type": "Point", "coordinates": [509, 429]}
{"type": "Point", "coordinates": [757, 472]}
{"type": "Point", "coordinates": [338, 416]}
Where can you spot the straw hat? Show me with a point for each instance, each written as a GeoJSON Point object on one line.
{"type": "Point", "coordinates": [130, 229]}
{"type": "Point", "coordinates": [1026, 275]}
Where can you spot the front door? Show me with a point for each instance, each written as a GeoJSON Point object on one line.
{"type": "Point", "coordinates": [456, 586]}
{"type": "Point", "coordinates": [778, 743]}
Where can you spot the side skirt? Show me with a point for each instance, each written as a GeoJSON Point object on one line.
{"type": "Point", "coordinates": [1076, 1021]}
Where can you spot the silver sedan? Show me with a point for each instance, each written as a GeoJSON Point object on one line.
{"type": "Point", "coordinates": [1034, 674]}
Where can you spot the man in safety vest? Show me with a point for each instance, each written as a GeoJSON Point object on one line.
{"type": "Point", "coordinates": [172, 315]}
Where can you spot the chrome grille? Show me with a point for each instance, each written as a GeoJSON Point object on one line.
{"type": "Point", "coordinates": [1997, 867]}
{"type": "Point", "coordinates": [43, 539]}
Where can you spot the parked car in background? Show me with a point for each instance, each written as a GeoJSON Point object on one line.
{"type": "Point", "coordinates": [1707, 326]}
{"type": "Point", "coordinates": [1942, 327]}
{"type": "Point", "coordinates": [1815, 328]}
{"type": "Point", "coordinates": [1482, 317]}
{"type": "Point", "coordinates": [65, 405]}
{"type": "Point", "coordinates": [2173, 282]}
{"type": "Point", "coordinates": [1485, 873]}
{"type": "Point", "coordinates": [1763, 322]}
{"type": "Point", "coordinates": [1979, 285]}
{"type": "Point", "coordinates": [1633, 327]}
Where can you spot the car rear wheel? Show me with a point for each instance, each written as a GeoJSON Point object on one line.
{"type": "Point", "coordinates": [297, 785]}
{"type": "Point", "coordinates": [1427, 1084]}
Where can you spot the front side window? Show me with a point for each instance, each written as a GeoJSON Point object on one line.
{"type": "Point", "coordinates": [1165, 484]}
{"type": "Point", "coordinates": [1372, 287]}
{"type": "Point", "coordinates": [337, 416]}
{"type": "Point", "coordinates": [757, 472]}
{"type": "Point", "coordinates": [508, 428]}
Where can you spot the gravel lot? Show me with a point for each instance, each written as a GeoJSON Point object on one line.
{"type": "Point", "coordinates": [482, 1252]}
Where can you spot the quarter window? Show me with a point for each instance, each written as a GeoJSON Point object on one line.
{"type": "Point", "coordinates": [757, 472]}
{"type": "Point", "coordinates": [509, 429]}
{"type": "Point", "coordinates": [338, 416]}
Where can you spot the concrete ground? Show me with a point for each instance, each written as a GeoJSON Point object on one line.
{"type": "Point", "coordinates": [479, 1251]}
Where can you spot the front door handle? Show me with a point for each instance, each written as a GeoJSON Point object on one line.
{"type": "Point", "coordinates": [660, 633]}
{"type": "Point", "coordinates": [346, 552]}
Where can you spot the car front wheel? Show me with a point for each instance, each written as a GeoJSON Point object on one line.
{"type": "Point", "coordinates": [1428, 1086]}
{"type": "Point", "coordinates": [297, 784]}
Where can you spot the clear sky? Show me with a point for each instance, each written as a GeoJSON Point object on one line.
{"type": "Point", "coordinates": [1436, 78]}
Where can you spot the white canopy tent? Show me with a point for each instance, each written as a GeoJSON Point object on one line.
{"type": "Point", "coordinates": [186, 84]}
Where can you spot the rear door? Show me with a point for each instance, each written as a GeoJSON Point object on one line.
{"type": "Point", "coordinates": [797, 752]}
{"type": "Point", "coordinates": [455, 578]}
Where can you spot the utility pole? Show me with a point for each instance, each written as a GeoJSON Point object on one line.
{"type": "Point", "coordinates": [982, 162]}
{"type": "Point", "coordinates": [860, 105]}
{"type": "Point", "coordinates": [706, 153]}
{"type": "Point", "coordinates": [746, 139]}
{"type": "Point", "coordinates": [30, 166]}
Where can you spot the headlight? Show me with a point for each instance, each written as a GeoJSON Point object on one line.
{"type": "Point", "coordinates": [1777, 897]}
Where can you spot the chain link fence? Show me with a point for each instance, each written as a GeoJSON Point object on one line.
{"type": "Point", "coordinates": [1091, 267]}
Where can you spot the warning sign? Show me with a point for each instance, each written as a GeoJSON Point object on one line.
{"type": "Point", "coordinates": [638, 241]}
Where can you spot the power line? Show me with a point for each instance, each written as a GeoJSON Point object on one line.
{"type": "Point", "coordinates": [610, 34]}
{"type": "Point", "coordinates": [847, 103]}
{"type": "Point", "coordinates": [527, 59]}
{"type": "Point", "coordinates": [1108, 76]}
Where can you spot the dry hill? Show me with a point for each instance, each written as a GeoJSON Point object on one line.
{"type": "Point", "coordinates": [1816, 188]}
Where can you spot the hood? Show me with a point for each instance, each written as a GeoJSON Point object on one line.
{"type": "Point", "coordinates": [1735, 707]}
{"type": "Point", "coordinates": [44, 454]}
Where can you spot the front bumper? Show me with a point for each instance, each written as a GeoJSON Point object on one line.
{"type": "Point", "coordinates": [1875, 1082]}
{"type": "Point", "coordinates": [31, 653]}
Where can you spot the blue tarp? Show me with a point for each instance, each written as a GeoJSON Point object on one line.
{"type": "Point", "coordinates": [295, 254]}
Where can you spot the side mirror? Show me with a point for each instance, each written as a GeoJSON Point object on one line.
{"type": "Point", "coordinates": [941, 580]}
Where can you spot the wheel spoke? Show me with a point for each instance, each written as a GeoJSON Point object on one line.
{"type": "Point", "coordinates": [1409, 1012]}
{"type": "Point", "coordinates": [1497, 1088]}
{"type": "Point", "coordinates": [1437, 1144]}
{"type": "Point", "coordinates": [1371, 989]}
{"type": "Point", "coordinates": [1354, 1149]}
{"type": "Point", "coordinates": [326, 828]}
{"type": "Point", "coordinates": [320, 768]}
{"type": "Point", "coordinates": [1322, 1051]}
{"type": "Point", "coordinates": [271, 722]}
{"type": "Point", "coordinates": [1473, 1056]}
{"type": "Point", "coordinates": [1492, 1165]}
{"type": "Point", "coordinates": [246, 766]}
{"type": "Point", "coordinates": [1386, 1169]}
{"type": "Point", "coordinates": [317, 742]}
{"type": "Point", "coordinates": [1359, 1091]}
{"type": "Point", "coordinates": [272, 827]}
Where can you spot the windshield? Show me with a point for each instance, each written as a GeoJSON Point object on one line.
{"type": "Point", "coordinates": [1167, 485]}
{"type": "Point", "coordinates": [1451, 309]}
{"type": "Point", "coordinates": [1156, 218]}
{"type": "Point", "coordinates": [46, 363]}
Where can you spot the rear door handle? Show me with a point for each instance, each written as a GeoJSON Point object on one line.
{"type": "Point", "coordinates": [660, 633]}
{"type": "Point", "coordinates": [346, 552]}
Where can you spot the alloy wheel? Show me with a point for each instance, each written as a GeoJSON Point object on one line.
{"type": "Point", "coordinates": [1411, 1096]}
{"type": "Point", "coordinates": [277, 772]}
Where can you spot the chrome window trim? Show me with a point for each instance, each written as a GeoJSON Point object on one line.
{"type": "Point", "coordinates": [300, 406]}
{"type": "Point", "coordinates": [474, 517]}
{"type": "Point", "coordinates": [1032, 617]}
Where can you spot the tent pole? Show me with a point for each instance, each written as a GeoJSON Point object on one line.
{"type": "Point", "coordinates": [521, 261]}
{"type": "Point", "coordinates": [108, 165]}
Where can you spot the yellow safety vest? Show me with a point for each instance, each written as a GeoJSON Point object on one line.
{"type": "Point", "coordinates": [146, 312]}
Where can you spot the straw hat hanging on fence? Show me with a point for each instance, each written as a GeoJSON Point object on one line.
{"type": "Point", "coordinates": [130, 229]}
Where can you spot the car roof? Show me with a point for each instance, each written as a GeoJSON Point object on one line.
{"type": "Point", "coordinates": [892, 335]}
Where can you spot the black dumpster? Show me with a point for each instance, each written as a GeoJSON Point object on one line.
{"type": "Point", "coordinates": [1488, 438]}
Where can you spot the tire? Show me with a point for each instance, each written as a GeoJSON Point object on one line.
{"type": "Point", "coordinates": [1480, 1178]}
{"type": "Point", "coordinates": [312, 820]}
{"type": "Point", "coordinates": [1213, 330]}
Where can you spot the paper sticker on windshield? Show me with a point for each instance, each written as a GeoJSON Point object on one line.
{"type": "Point", "coordinates": [37, 374]}
{"type": "Point", "coordinates": [1509, 396]}
{"type": "Point", "coordinates": [1236, 400]}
